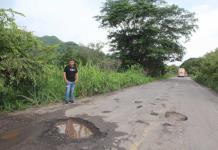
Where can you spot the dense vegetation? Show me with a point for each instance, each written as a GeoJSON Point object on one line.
{"type": "Point", "coordinates": [204, 69]}
{"type": "Point", "coordinates": [147, 32]}
{"type": "Point", "coordinates": [31, 70]}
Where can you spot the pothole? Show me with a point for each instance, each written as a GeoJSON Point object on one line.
{"type": "Point", "coordinates": [116, 99]}
{"type": "Point", "coordinates": [163, 105]}
{"type": "Point", "coordinates": [167, 125]}
{"type": "Point", "coordinates": [176, 116]}
{"type": "Point", "coordinates": [157, 99]}
{"type": "Point", "coordinates": [77, 128]}
{"type": "Point", "coordinates": [138, 102]}
{"type": "Point", "coordinates": [106, 111]}
{"type": "Point", "coordinates": [154, 113]}
{"type": "Point", "coordinates": [153, 104]}
{"type": "Point", "coordinates": [140, 106]}
{"type": "Point", "coordinates": [143, 122]}
{"type": "Point", "coordinates": [160, 99]}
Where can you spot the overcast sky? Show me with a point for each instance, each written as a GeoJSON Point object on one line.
{"type": "Point", "coordinates": [72, 20]}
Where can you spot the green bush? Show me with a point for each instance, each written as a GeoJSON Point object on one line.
{"type": "Point", "coordinates": [204, 69]}
{"type": "Point", "coordinates": [208, 73]}
{"type": "Point", "coordinates": [192, 66]}
{"type": "Point", "coordinates": [171, 70]}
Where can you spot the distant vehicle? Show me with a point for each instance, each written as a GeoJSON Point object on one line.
{"type": "Point", "coordinates": [182, 72]}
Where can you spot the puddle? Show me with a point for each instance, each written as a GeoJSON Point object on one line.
{"type": "Point", "coordinates": [11, 135]}
{"type": "Point", "coordinates": [175, 116]}
{"type": "Point", "coordinates": [77, 128]}
{"type": "Point", "coordinates": [74, 130]}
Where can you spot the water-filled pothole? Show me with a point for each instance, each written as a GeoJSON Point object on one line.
{"type": "Point", "coordinates": [77, 128]}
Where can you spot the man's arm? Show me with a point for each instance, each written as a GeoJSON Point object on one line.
{"type": "Point", "coordinates": [65, 78]}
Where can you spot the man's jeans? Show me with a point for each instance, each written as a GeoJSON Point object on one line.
{"type": "Point", "coordinates": [69, 96]}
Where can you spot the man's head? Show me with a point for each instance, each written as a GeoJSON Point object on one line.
{"type": "Point", "coordinates": [71, 62]}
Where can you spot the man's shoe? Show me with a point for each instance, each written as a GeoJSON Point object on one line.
{"type": "Point", "coordinates": [71, 101]}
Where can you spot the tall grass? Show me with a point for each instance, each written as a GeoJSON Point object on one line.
{"type": "Point", "coordinates": [50, 86]}
{"type": "Point", "coordinates": [93, 80]}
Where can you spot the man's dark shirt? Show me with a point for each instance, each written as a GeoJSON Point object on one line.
{"type": "Point", "coordinates": [70, 73]}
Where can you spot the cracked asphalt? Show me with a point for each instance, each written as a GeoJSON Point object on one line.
{"type": "Point", "coordinates": [172, 114]}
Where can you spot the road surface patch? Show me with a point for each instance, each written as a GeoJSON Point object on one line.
{"type": "Point", "coordinates": [11, 135]}
{"type": "Point", "coordinates": [147, 130]}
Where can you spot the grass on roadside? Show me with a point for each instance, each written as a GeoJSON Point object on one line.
{"type": "Point", "coordinates": [92, 80]}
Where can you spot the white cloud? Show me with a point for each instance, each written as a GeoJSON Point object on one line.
{"type": "Point", "coordinates": [206, 37]}
{"type": "Point", "coordinates": [70, 20]}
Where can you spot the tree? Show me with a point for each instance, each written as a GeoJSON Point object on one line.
{"type": "Point", "coordinates": [147, 32]}
{"type": "Point", "coordinates": [192, 66]}
{"type": "Point", "coordinates": [204, 69]}
{"type": "Point", "coordinates": [208, 72]}
{"type": "Point", "coordinates": [96, 46]}
{"type": "Point", "coordinates": [17, 69]}
{"type": "Point", "coordinates": [171, 69]}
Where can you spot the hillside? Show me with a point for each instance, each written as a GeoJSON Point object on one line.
{"type": "Point", "coordinates": [50, 40]}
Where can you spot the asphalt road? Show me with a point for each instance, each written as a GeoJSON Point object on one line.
{"type": "Point", "coordinates": [173, 114]}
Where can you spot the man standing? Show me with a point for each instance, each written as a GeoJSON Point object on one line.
{"type": "Point", "coordinates": [71, 78]}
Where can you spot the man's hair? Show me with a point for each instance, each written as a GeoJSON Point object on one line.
{"type": "Point", "coordinates": [75, 62]}
{"type": "Point", "coordinates": [72, 59]}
